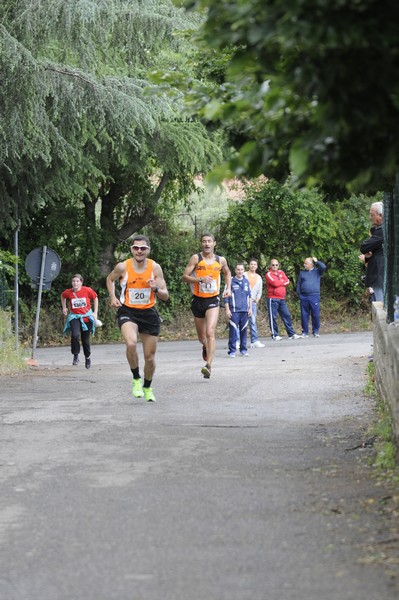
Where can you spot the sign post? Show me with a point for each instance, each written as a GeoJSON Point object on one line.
{"type": "Point", "coordinates": [42, 265]}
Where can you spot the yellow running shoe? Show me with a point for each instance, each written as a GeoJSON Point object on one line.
{"type": "Point", "coordinates": [149, 395]}
{"type": "Point", "coordinates": [137, 390]}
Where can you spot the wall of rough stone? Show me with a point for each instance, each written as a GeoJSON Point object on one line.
{"type": "Point", "coordinates": [386, 363]}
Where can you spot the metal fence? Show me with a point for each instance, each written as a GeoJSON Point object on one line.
{"type": "Point", "coordinates": [391, 248]}
{"type": "Point", "coordinates": [4, 292]}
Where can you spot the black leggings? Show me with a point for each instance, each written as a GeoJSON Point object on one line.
{"type": "Point", "coordinates": [77, 333]}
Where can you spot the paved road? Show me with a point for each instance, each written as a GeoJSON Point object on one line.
{"type": "Point", "coordinates": [236, 488]}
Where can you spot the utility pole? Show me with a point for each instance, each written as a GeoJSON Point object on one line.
{"type": "Point", "coordinates": [16, 284]}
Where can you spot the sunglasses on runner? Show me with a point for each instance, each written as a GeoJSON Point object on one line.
{"type": "Point", "coordinates": [141, 248]}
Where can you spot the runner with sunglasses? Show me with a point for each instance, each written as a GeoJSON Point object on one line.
{"type": "Point", "coordinates": [203, 274]}
{"type": "Point", "coordinates": [141, 281]}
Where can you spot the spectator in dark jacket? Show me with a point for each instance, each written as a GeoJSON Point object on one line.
{"type": "Point", "coordinates": [308, 290]}
{"type": "Point", "coordinates": [372, 253]}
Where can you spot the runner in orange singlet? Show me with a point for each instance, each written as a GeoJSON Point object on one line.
{"type": "Point", "coordinates": [203, 274]}
{"type": "Point", "coordinates": [142, 282]}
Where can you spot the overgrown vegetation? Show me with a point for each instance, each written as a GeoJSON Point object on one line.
{"type": "Point", "coordinates": [12, 359]}
{"type": "Point", "coordinates": [279, 220]}
{"type": "Point", "coordinates": [90, 150]}
{"type": "Point", "coordinates": [381, 429]}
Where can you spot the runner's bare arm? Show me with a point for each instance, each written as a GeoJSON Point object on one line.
{"type": "Point", "coordinates": [95, 307]}
{"type": "Point", "coordinates": [117, 273]}
{"type": "Point", "coordinates": [227, 277]}
{"type": "Point", "coordinates": [188, 276]}
{"type": "Point", "coordinates": [158, 284]}
{"type": "Point", "coordinates": [64, 306]}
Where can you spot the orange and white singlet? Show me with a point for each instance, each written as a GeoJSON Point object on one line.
{"type": "Point", "coordinates": [252, 278]}
{"type": "Point", "coordinates": [207, 290]}
{"type": "Point", "coordinates": [135, 291]}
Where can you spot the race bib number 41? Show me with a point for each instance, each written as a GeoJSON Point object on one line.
{"type": "Point", "coordinates": [139, 296]}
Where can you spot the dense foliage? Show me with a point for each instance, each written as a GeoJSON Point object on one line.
{"type": "Point", "coordinates": [90, 151]}
{"type": "Point", "coordinates": [278, 221]}
{"type": "Point", "coordinates": [312, 85]}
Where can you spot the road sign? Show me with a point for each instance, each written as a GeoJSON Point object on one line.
{"type": "Point", "coordinates": [42, 266]}
{"type": "Point", "coordinates": [51, 266]}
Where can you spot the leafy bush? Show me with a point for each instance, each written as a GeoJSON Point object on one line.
{"type": "Point", "coordinates": [277, 220]}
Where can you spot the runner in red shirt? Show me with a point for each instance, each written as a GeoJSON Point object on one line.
{"type": "Point", "coordinates": [80, 317]}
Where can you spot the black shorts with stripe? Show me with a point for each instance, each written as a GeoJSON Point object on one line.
{"type": "Point", "coordinates": [199, 306]}
{"type": "Point", "coordinates": [147, 319]}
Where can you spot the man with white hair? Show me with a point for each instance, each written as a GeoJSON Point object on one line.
{"type": "Point", "coordinates": [372, 253]}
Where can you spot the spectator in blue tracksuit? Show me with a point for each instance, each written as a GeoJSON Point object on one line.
{"type": "Point", "coordinates": [308, 290]}
{"type": "Point", "coordinates": [238, 310]}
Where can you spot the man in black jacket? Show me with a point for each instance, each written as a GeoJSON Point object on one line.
{"type": "Point", "coordinates": [372, 251]}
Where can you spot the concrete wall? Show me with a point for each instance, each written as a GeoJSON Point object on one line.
{"type": "Point", "coordinates": [386, 363]}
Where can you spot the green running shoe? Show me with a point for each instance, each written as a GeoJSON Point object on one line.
{"type": "Point", "coordinates": [137, 388]}
{"type": "Point", "coordinates": [206, 371]}
{"type": "Point", "coordinates": [149, 395]}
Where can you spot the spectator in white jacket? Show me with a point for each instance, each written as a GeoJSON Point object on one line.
{"type": "Point", "coordinates": [255, 281]}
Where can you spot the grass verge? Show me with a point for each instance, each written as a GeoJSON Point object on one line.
{"type": "Point", "coordinates": [384, 458]}
{"type": "Point", "coordinates": [12, 360]}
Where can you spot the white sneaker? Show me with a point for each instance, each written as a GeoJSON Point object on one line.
{"type": "Point", "coordinates": [304, 335]}
{"type": "Point", "coordinates": [294, 337]}
{"type": "Point", "coordinates": [257, 344]}
{"type": "Point", "coordinates": [277, 338]}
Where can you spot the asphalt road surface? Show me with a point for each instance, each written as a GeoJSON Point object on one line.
{"type": "Point", "coordinates": [241, 487]}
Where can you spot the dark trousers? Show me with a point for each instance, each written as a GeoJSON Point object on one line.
{"type": "Point", "coordinates": [275, 308]}
{"type": "Point", "coordinates": [238, 326]}
{"type": "Point", "coordinates": [77, 333]}
{"type": "Point", "coordinates": [310, 306]}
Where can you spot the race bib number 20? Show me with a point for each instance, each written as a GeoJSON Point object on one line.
{"type": "Point", "coordinates": [139, 296]}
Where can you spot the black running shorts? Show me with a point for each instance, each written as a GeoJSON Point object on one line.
{"type": "Point", "coordinates": [199, 306]}
{"type": "Point", "coordinates": [147, 319]}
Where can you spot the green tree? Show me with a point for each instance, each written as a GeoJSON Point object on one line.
{"type": "Point", "coordinates": [7, 269]}
{"type": "Point", "coordinates": [277, 220]}
{"type": "Point", "coordinates": [311, 85]}
{"type": "Point", "coordinates": [295, 85]}
{"type": "Point", "coordinates": [82, 132]}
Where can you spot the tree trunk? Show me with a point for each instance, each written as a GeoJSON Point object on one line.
{"type": "Point", "coordinates": [133, 222]}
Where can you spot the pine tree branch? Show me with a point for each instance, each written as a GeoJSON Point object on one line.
{"type": "Point", "coordinates": [70, 74]}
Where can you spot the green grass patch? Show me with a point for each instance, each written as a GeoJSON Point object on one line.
{"type": "Point", "coordinates": [12, 360]}
{"type": "Point", "coordinates": [384, 458]}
